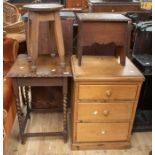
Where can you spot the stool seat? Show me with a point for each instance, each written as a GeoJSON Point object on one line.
{"type": "Point", "coordinates": [43, 7]}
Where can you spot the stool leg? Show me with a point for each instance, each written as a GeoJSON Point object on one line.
{"type": "Point", "coordinates": [27, 100]}
{"type": "Point", "coordinates": [19, 111]}
{"type": "Point", "coordinates": [79, 47]}
{"type": "Point", "coordinates": [28, 37]}
{"type": "Point", "coordinates": [34, 39]}
{"type": "Point", "coordinates": [122, 56]}
{"type": "Point", "coordinates": [59, 37]}
{"type": "Point", "coordinates": [51, 37]}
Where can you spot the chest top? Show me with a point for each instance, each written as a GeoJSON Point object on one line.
{"type": "Point", "coordinates": [104, 68]}
{"type": "Point", "coordinates": [102, 17]}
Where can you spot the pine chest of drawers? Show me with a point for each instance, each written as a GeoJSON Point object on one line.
{"type": "Point", "coordinates": [104, 101]}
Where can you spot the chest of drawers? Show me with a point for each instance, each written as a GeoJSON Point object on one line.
{"type": "Point", "coordinates": [104, 102]}
{"type": "Point", "coordinates": [105, 6]}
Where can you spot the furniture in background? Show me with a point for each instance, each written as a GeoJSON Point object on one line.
{"type": "Point", "coordinates": [142, 58]}
{"type": "Point", "coordinates": [113, 5]}
{"type": "Point", "coordinates": [104, 29]}
{"type": "Point", "coordinates": [48, 73]}
{"type": "Point", "coordinates": [105, 97]}
{"type": "Point", "coordinates": [13, 24]}
{"type": "Point", "coordinates": [10, 48]}
{"type": "Point", "coordinates": [32, 1]}
{"type": "Point", "coordinates": [40, 13]}
{"type": "Point", "coordinates": [83, 4]}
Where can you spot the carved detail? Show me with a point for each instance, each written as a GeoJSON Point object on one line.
{"type": "Point", "coordinates": [65, 112]}
{"type": "Point", "coordinates": [27, 100]}
{"type": "Point", "coordinates": [100, 49]}
{"type": "Point", "coordinates": [20, 115]}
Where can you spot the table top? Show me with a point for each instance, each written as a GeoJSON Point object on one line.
{"type": "Point", "coordinates": [47, 66]}
{"type": "Point", "coordinates": [114, 1]}
{"type": "Point", "coordinates": [102, 17]}
{"type": "Point", "coordinates": [43, 7]}
{"type": "Point", "coordinates": [104, 68]}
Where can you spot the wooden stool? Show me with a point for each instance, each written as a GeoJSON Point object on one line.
{"type": "Point", "coordinates": [104, 28]}
{"type": "Point", "coordinates": [42, 13]}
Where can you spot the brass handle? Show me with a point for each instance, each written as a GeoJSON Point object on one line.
{"type": "Point", "coordinates": [106, 112]}
{"type": "Point", "coordinates": [95, 112]}
{"type": "Point", "coordinates": [108, 93]}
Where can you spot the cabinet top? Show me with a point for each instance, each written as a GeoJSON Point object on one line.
{"type": "Point", "coordinates": [105, 68]}
{"type": "Point", "coordinates": [102, 17]}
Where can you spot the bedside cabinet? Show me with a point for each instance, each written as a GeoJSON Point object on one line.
{"type": "Point", "coordinates": [105, 96]}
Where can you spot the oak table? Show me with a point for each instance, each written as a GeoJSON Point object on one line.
{"type": "Point", "coordinates": [49, 73]}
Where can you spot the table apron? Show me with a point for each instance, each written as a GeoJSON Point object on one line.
{"type": "Point", "coordinates": [43, 81]}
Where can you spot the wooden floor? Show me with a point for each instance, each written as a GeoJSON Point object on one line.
{"type": "Point", "coordinates": [141, 142]}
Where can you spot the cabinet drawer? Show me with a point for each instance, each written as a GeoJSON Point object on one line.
{"type": "Point", "coordinates": [87, 132]}
{"type": "Point", "coordinates": [104, 111]}
{"type": "Point", "coordinates": [114, 92]}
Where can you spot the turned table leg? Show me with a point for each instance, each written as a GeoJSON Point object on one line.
{"type": "Point", "coordinates": [65, 132]}
{"type": "Point", "coordinates": [27, 101]}
{"type": "Point", "coordinates": [19, 110]}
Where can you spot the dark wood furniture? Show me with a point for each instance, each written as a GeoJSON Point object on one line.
{"type": "Point", "coordinates": [48, 73]}
{"type": "Point", "coordinates": [113, 5]}
{"type": "Point", "coordinates": [105, 97]}
{"type": "Point", "coordinates": [104, 28]}
{"type": "Point", "coordinates": [77, 4]}
{"type": "Point", "coordinates": [40, 13]}
{"type": "Point", "coordinates": [142, 58]}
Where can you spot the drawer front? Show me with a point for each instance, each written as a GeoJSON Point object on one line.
{"type": "Point", "coordinates": [93, 132]}
{"type": "Point", "coordinates": [104, 111]}
{"type": "Point", "coordinates": [114, 92]}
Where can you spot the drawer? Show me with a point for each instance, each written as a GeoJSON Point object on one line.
{"type": "Point", "coordinates": [104, 111]}
{"type": "Point", "coordinates": [89, 132]}
{"type": "Point", "coordinates": [114, 92]}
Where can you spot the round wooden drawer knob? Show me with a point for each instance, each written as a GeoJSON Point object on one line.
{"type": "Point", "coordinates": [106, 112]}
{"type": "Point", "coordinates": [108, 93]}
{"type": "Point", "coordinates": [95, 112]}
{"type": "Point", "coordinates": [103, 132]}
